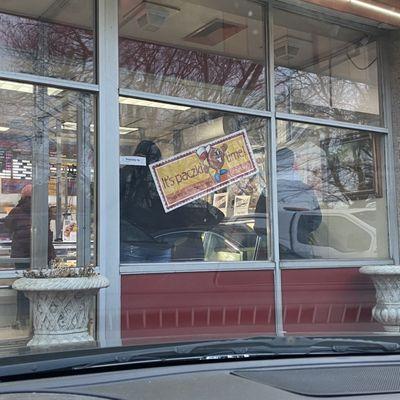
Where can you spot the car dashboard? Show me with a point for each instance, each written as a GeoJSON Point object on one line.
{"type": "Point", "coordinates": [341, 377]}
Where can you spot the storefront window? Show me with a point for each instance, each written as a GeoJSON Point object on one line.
{"type": "Point", "coordinates": [50, 40]}
{"type": "Point", "coordinates": [331, 198]}
{"type": "Point", "coordinates": [207, 198]}
{"type": "Point", "coordinates": [181, 107]}
{"type": "Point", "coordinates": [325, 70]}
{"type": "Point", "coordinates": [46, 176]}
{"type": "Point", "coordinates": [211, 51]}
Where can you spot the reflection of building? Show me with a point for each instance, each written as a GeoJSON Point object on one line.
{"type": "Point", "coordinates": [198, 73]}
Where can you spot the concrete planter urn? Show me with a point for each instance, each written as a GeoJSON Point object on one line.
{"type": "Point", "coordinates": [386, 279]}
{"type": "Point", "coordinates": [60, 308]}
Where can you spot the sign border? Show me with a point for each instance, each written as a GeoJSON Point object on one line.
{"type": "Point", "coordinates": [221, 185]}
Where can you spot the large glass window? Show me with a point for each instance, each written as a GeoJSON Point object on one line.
{"type": "Point", "coordinates": [203, 236]}
{"type": "Point", "coordinates": [46, 38]}
{"type": "Point", "coordinates": [325, 70]}
{"type": "Point", "coordinates": [46, 176]}
{"type": "Point", "coordinates": [212, 51]}
{"type": "Point", "coordinates": [229, 222]}
{"type": "Point", "coordinates": [331, 198]}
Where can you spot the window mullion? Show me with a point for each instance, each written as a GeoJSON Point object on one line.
{"type": "Point", "coordinates": [271, 167]}
{"type": "Point", "coordinates": [385, 100]}
{"type": "Point", "coordinates": [108, 170]}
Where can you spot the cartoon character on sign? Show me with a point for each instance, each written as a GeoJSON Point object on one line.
{"type": "Point", "coordinates": [214, 158]}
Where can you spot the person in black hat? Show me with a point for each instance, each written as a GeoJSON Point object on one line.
{"type": "Point", "coordinates": [143, 216]}
{"type": "Point", "coordinates": [142, 212]}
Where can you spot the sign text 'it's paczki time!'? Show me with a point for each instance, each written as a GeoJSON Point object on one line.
{"type": "Point", "coordinates": [204, 169]}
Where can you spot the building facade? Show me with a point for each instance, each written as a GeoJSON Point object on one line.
{"type": "Point", "coordinates": [227, 165]}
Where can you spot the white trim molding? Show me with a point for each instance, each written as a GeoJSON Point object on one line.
{"type": "Point", "coordinates": [171, 268]}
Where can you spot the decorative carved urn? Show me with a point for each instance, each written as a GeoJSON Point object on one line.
{"type": "Point", "coordinates": [60, 308]}
{"type": "Point", "coordinates": [386, 279]}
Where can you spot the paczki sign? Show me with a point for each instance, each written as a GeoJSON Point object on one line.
{"type": "Point", "coordinates": [196, 172]}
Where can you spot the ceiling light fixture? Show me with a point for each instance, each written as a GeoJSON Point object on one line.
{"type": "Point", "coordinates": [26, 88]}
{"type": "Point", "coordinates": [16, 86]}
{"type": "Point", "coordinates": [149, 16]}
{"type": "Point", "coordinates": [154, 104]}
{"type": "Point", "coordinates": [54, 91]}
{"type": "Point", "coordinates": [124, 130]}
{"type": "Point", "coordinates": [374, 7]}
{"type": "Point", "coordinates": [4, 128]}
{"type": "Point", "coordinates": [215, 32]}
{"type": "Point", "coordinates": [72, 126]}
{"type": "Point", "coordinates": [69, 126]}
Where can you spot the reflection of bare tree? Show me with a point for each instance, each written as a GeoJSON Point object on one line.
{"type": "Point", "coordinates": [350, 165]}
{"type": "Point", "coordinates": [191, 73]}
{"type": "Point", "coordinates": [340, 165]}
{"type": "Point", "coordinates": [39, 47]}
{"type": "Point", "coordinates": [68, 52]}
{"type": "Point", "coordinates": [324, 96]}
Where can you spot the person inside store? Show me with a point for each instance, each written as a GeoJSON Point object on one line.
{"type": "Point", "coordinates": [143, 216]}
{"type": "Point", "coordinates": [142, 212]}
{"type": "Point", "coordinates": [18, 222]}
{"type": "Point", "coordinates": [294, 197]}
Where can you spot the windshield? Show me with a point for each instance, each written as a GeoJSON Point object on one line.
{"type": "Point", "coordinates": [198, 171]}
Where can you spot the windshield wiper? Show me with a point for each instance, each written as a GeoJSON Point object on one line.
{"type": "Point", "coordinates": [219, 350]}
{"type": "Point", "coordinates": [289, 346]}
{"type": "Point", "coordinates": [242, 349]}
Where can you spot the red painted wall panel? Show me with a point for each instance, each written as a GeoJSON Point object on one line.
{"type": "Point", "coordinates": [337, 300]}
{"type": "Point", "coordinates": [196, 306]}
{"type": "Point", "coordinates": [201, 305]}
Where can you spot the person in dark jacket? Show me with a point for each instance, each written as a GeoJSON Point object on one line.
{"type": "Point", "coordinates": [142, 212]}
{"type": "Point", "coordinates": [140, 202]}
{"type": "Point", "coordinates": [18, 222]}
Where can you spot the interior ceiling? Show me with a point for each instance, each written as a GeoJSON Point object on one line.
{"type": "Point", "coordinates": [194, 14]}
{"type": "Point", "coordinates": [347, 7]}
{"type": "Point", "coordinates": [316, 39]}
{"type": "Point", "coordinates": [154, 120]}
{"type": "Point", "coordinates": [315, 27]}
{"type": "Point", "coordinates": [79, 13]}
{"type": "Point", "coordinates": [317, 42]}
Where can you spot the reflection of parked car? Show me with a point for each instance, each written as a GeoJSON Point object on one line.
{"type": "Point", "coordinates": [341, 234]}
{"type": "Point", "coordinates": [199, 245]}
{"type": "Point", "coordinates": [137, 246]}
{"type": "Point", "coordinates": [228, 241]}
{"type": "Point", "coordinates": [231, 240]}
